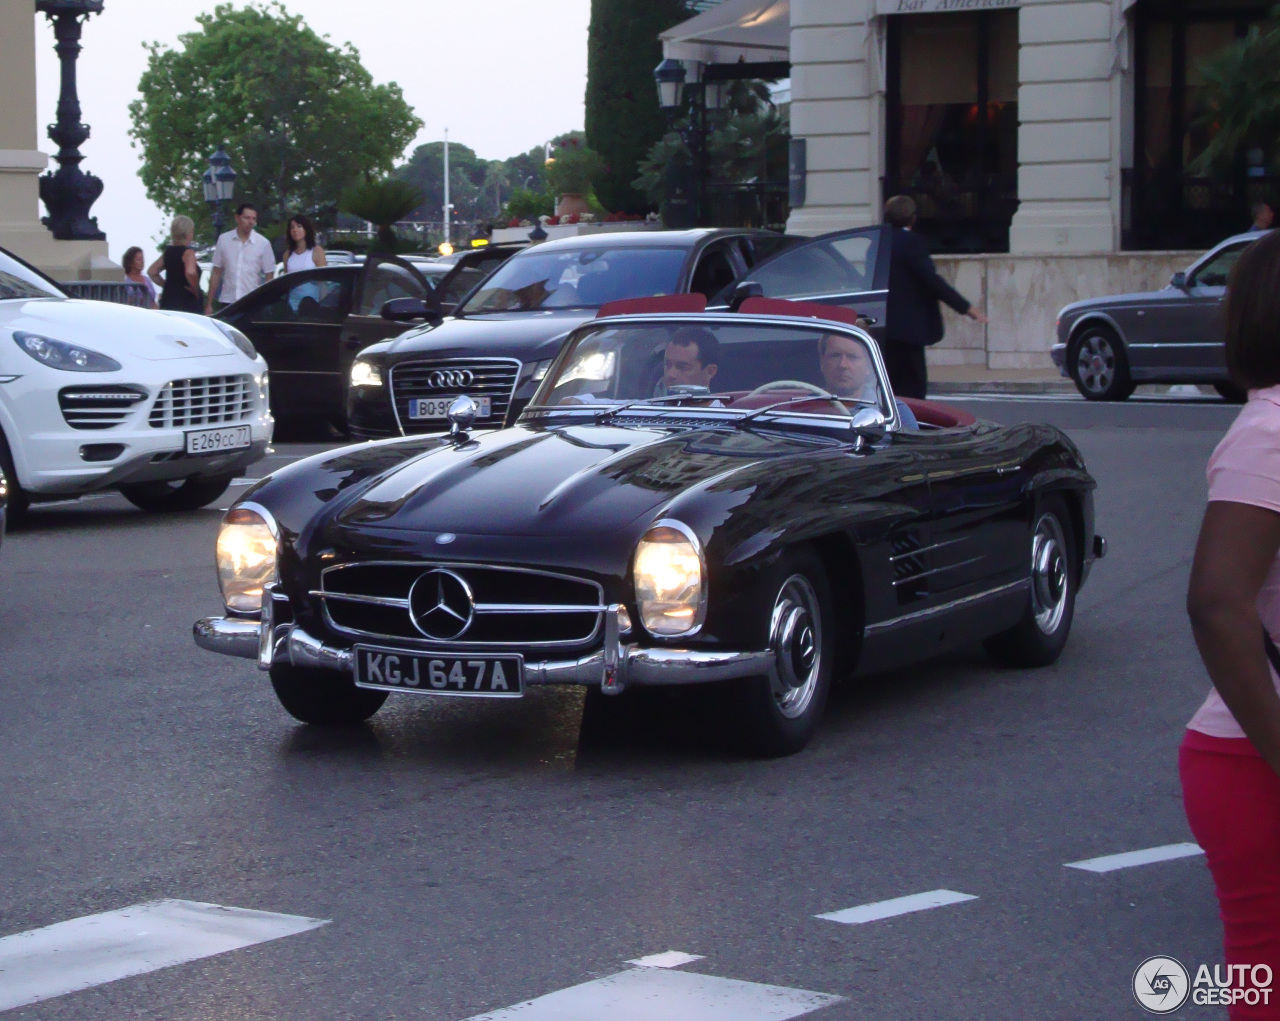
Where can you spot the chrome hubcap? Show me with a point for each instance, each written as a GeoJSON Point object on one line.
{"type": "Point", "coordinates": [795, 636]}
{"type": "Point", "coordinates": [1096, 363]}
{"type": "Point", "coordinates": [1050, 577]}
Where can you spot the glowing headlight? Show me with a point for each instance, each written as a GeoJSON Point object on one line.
{"type": "Point", "coordinates": [365, 374]}
{"type": "Point", "coordinates": [58, 354]}
{"type": "Point", "coordinates": [670, 588]}
{"type": "Point", "coordinates": [246, 559]}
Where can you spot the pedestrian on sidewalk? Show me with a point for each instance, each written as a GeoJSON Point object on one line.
{"type": "Point", "coordinates": [1230, 756]}
{"type": "Point", "coordinates": [133, 262]}
{"type": "Point", "coordinates": [242, 260]}
{"type": "Point", "coordinates": [180, 285]}
{"type": "Point", "coordinates": [914, 320]}
{"type": "Point", "coordinates": [300, 248]}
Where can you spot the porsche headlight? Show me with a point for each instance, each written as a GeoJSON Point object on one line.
{"type": "Point", "coordinates": [246, 558]}
{"type": "Point", "coordinates": [238, 339]}
{"type": "Point", "coordinates": [365, 373]}
{"type": "Point", "coordinates": [58, 354]}
{"type": "Point", "coordinates": [669, 583]}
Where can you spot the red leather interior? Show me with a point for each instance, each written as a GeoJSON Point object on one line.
{"type": "Point", "coordinates": [943, 415]}
{"type": "Point", "coordinates": [749, 402]}
{"type": "Point", "coordinates": [806, 309]}
{"type": "Point", "coordinates": [662, 303]}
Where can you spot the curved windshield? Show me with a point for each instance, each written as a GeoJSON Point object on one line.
{"type": "Point", "coordinates": [578, 278]}
{"type": "Point", "coordinates": [18, 280]}
{"type": "Point", "coordinates": [745, 367]}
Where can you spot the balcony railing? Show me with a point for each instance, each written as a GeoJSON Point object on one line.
{"type": "Point", "coordinates": [1162, 209]}
{"type": "Point", "coordinates": [121, 292]}
{"type": "Point", "coordinates": [961, 217]}
{"type": "Point", "coordinates": [753, 204]}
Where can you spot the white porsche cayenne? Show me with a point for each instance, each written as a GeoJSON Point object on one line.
{"type": "Point", "coordinates": [166, 407]}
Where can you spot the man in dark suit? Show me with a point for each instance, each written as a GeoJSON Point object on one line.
{"type": "Point", "coordinates": [914, 320]}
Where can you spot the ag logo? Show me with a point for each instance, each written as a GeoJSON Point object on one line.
{"type": "Point", "coordinates": [1161, 985]}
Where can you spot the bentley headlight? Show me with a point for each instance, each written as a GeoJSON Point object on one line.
{"type": "Point", "coordinates": [246, 558]}
{"type": "Point", "coordinates": [58, 354]}
{"type": "Point", "coordinates": [670, 587]}
{"type": "Point", "coordinates": [365, 373]}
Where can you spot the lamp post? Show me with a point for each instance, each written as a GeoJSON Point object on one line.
{"type": "Point", "coordinates": [219, 183]}
{"type": "Point", "coordinates": [684, 196]}
{"type": "Point", "coordinates": [68, 193]}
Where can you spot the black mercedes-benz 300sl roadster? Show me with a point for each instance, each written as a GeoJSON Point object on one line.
{"type": "Point", "coordinates": [727, 498]}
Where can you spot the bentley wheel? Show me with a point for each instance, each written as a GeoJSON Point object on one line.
{"type": "Point", "coordinates": [1038, 639]}
{"type": "Point", "coordinates": [181, 495]}
{"type": "Point", "coordinates": [324, 697]}
{"type": "Point", "coordinates": [780, 711]}
{"type": "Point", "coordinates": [1098, 366]}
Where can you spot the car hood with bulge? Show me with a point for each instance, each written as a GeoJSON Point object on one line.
{"type": "Point", "coordinates": [1115, 301]}
{"type": "Point", "coordinates": [499, 333]}
{"type": "Point", "coordinates": [119, 331]}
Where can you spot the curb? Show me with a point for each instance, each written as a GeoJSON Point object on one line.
{"type": "Point", "coordinates": [998, 386]}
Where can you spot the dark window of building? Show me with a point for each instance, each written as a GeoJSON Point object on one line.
{"type": "Point", "coordinates": [952, 118]}
{"type": "Point", "coordinates": [1163, 205]}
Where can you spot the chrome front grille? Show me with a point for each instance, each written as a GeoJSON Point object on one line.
{"type": "Point", "coordinates": [494, 378]}
{"type": "Point", "coordinates": [98, 407]}
{"type": "Point", "coordinates": [207, 400]}
{"type": "Point", "coordinates": [512, 606]}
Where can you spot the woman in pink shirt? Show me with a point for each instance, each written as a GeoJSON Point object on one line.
{"type": "Point", "coordinates": [1230, 756]}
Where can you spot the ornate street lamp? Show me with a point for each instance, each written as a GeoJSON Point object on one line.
{"type": "Point", "coordinates": [683, 204]}
{"type": "Point", "coordinates": [219, 183]}
{"type": "Point", "coordinates": [670, 75]}
{"type": "Point", "coordinates": [68, 193]}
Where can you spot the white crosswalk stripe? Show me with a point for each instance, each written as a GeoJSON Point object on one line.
{"type": "Point", "coordinates": [1131, 859]}
{"type": "Point", "coordinates": [877, 910]}
{"type": "Point", "coordinates": [68, 956]}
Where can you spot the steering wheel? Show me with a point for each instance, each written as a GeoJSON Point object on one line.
{"type": "Point", "coordinates": [800, 384]}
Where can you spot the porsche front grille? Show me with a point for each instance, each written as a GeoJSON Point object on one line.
{"type": "Point", "coordinates": [98, 407]}
{"type": "Point", "coordinates": [494, 378]}
{"type": "Point", "coordinates": [512, 606]}
{"type": "Point", "coordinates": [207, 400]}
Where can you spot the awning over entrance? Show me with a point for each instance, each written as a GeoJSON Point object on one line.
{"type": "Point", "coordinates": [754, 31]}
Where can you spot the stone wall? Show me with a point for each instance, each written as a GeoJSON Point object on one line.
{"type": "Point", "coordinates": [1021, 295]}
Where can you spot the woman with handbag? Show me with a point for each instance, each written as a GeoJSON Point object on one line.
{"type": "Point", "coordinates": [1230, 755]}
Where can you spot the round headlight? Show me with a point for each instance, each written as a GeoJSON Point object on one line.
{"type": "Point", "coordinates": [670, 587]}
{"type": "Point", "coordinates": [246, 556]}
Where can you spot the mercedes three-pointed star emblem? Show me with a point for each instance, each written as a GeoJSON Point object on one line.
{"type": "Point", "coordinates": [441, 605]}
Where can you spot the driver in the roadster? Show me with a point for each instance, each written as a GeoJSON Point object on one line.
{"type": "Point", "coordinates": [847, 371]}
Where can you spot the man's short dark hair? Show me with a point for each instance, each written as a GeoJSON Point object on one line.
{"type": "Point", "coordinates": [1253, 315]}
{"type": "Point", "coordinates": [243, 206]}
{"type": "Point", "coordinates": [706, 342]}
{"type": "Point", "coordinates": [900, 211]}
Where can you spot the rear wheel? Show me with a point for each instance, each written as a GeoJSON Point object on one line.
{"type": "Point", "coordinates": [1098, 365]}
{"type": "Point", "coordinates": [780, 712]}
{"type": "Point", "coordinates": [325, 698]}
{"type": "Point", "coordinates": [1040, 636]}
{"type": "Point", "coordinates": [180, 495]}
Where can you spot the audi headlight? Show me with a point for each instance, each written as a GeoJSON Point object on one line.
{"type": "Point", "coordinates": [238, 339]}
{"type": "Point", "coordinates": [671, 589]}
{"type": "Point", "coordinates": [58, 354]}
{"type": "Point", "coordinates": [246, 558]}
{"type": "Point", "coordinates": [365, 373]}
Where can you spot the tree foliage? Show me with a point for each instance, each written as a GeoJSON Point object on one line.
{"type": "Point", "coordinates": [623, 119]}
{"type": "Point", "coordinates": [1239, 102]}
{"type": "Point", "coordinates": [382, 202]}
{"type": "Point", "coordinates": [300, 117]}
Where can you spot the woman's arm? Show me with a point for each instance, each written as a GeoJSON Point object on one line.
{"type": "Point", "coordinates": [154, 271]}
{"type": "Point", "coordinates": [192, 271]}
{"type": "Point", "coordinates": [1237, 546]}
{"type": "Point", "coordinates": [319, 257]}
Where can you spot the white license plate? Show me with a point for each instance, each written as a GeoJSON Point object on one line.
{"type": "Point", "coordinates": [438, 407]}
{"type": "Point", "coordinates": [215, 441]}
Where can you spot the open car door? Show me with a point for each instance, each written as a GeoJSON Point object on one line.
{"type": "Point", "coordinates": [383, 279]}
{"type": "Point", "coordinates": [469, 270]}
{"type": "Point", "coordinates": [848, 268]}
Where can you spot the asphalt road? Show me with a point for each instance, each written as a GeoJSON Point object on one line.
{"type": "Point", "coordinates": [469, 856]}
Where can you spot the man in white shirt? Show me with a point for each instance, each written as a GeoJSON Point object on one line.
{"type": "Point", "coordinates": [242, 260]}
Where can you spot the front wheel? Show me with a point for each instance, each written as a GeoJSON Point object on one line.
{"type": "Point", "coordinates": [781, 710]}
{"type": "Point", "coordinates": [1040, 636]}
{"type": "Point", "coordinates": [181, 495]}
{"type": "Point", "coordinates": [323, 697]}
{"type": "Point", "coordinates": [1098, 366]}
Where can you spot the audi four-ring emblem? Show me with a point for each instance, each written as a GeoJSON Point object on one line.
{"type": "Point", "coordinates": [445, 379]}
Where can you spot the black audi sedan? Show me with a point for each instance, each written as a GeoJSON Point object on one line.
{"type": "Point", "coordinates": [499, 341]}
{"type": "Point", "coordinates": [310, 325]}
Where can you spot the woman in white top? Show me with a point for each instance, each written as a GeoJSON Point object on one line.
{"type": "Point", "coordinates": [301, 250]}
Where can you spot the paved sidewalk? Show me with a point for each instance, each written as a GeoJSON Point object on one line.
{"type": "Point", "coordinates": [950, 379]}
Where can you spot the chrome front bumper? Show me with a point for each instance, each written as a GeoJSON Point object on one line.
{"type": "Point", "coordinates": [611, 668]}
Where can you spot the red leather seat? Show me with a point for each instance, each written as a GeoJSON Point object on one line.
{"type": "Point", "coordinates": [943, 415]}
{"type": "Point", "coordinates": [661, 303]}
{"type": "Point", "coordinates": [804, 309]}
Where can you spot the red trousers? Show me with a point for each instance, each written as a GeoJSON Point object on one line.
{"type": "Point", "coordinates": [1232, 799]}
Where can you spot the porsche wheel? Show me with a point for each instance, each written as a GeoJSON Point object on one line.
{"type": "Point", "coordinates": [780, 711]}
{"type": "Point", "coordinates": [324, 697]}
{"type": "Point", "coordinates": [1040, 636]}
{"type": "Point", "coordinates": [1098, 365]}
{"type": "Point", "coordinates": [18, 500]}
{"type": "Point", "coordinates": [180, 495]}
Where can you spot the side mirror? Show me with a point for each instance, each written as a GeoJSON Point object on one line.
{"type": "Point", "coordinates": [870, 424]}
{"type": "Point", "coordinates": [741, 292]}
{"type": "Point", "coordinates": [1179, 280]}
{"type": "Point", "coordinates": [405, 310]}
